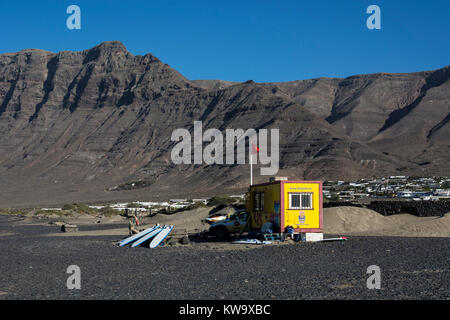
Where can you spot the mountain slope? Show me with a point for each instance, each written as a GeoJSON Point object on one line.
{"type": "Point", "coordinates": [76, 124]}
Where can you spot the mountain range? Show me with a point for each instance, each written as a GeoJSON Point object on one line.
{"type": "Point", "coordinates": [96, 125]}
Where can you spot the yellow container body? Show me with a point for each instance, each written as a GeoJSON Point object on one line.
{"type": "Point", "coordinates": [271, 212]}
{"type": "Point", "coordinates": [286, 203]}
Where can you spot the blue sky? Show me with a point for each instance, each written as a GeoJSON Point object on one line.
{"type": "Point", "coordinates": [249, 39]}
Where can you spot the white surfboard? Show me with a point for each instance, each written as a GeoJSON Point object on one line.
{"type": "Point", "coordinates": [147, 237]}
{"type": "Point", "coordinates": [333, 239]}
{"type": "Point", "coordinates": [161, 236]}
{"type": "Point", "coordinates": [251, 241]}
{"type": "Point", "coordinates": [128, 240]}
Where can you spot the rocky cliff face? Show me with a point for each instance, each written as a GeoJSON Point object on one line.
{"type": "Point", "coordinates": [76, 124]}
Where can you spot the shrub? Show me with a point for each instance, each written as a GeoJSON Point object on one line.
{"type": "Point", "coordinates": [134, 185]}
{"type": "Point", "coordinates": [79, 208]}
{"type": "Point", "coordinates": [218, 200]}
{"type": "Point", "coordinates": [196, 205]}
{"type": "Point", "coordinates": [445, 185]}
{"type": "Point", "coordinates": [52, 212]}
{"type": "Point", "coordinates": [108, 211]}
{"type": "Point", "coordinates": [11, 211]}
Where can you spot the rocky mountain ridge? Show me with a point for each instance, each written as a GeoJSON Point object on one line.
{"type": "Point", "coordinates": [74, 125]}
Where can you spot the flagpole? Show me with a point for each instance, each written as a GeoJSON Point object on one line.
{"type": "Point", "coordinates": [251, 168]}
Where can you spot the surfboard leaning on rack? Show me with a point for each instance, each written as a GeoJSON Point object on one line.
{"type": "Point", "coordinates": [128, 240]}
{"type": "Point", "coordinates": [161, 236]}
{"type": "Point", "coordinates": [147, 237]}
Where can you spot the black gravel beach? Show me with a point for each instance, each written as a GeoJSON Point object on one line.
{"type": "Point", "coordinates": [33, 266]}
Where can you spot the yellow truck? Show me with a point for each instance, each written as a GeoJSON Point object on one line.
{"type": "Point", "coordinates": [286, 203]}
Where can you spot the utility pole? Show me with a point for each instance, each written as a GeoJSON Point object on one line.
{"type": "Point", "coordinates": [254, 149]}
{"type": "Point", "coordinates": [251, 168]}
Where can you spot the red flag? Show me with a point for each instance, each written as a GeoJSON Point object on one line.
{"type": "Point", "coordinates": [255, 149]}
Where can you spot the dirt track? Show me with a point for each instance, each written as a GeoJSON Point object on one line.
{"type": "Point", "coordinates": [337, 220]}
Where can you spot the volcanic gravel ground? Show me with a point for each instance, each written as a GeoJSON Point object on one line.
{"type": "Point", "coordinates": [34, 266]}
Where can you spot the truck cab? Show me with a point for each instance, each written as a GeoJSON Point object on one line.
{"type": "Point", "coordinates": [235, 223]}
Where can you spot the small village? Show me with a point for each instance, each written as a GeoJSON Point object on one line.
{"type": "Point", "coordinates": [362, 191]}
{"type": "Point", "coordinates": [392, 187]}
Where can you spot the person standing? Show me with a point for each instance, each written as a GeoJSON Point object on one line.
{"type": "Point", "coordinates": [133, 223]}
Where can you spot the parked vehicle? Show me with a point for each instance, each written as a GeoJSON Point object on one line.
{"type": "Point", "coordinates": [235, 223]}
{"type": "Point", "coordinates": [216, 218]}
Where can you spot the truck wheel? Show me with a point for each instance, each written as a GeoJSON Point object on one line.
{"type": "Point", "coordinates": [221, 232]}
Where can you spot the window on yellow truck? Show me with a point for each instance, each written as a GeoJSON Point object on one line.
{"type": "Point", "coordinates": [258, 201]}
{"type": "Point", "coordinates": [300, 201]}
